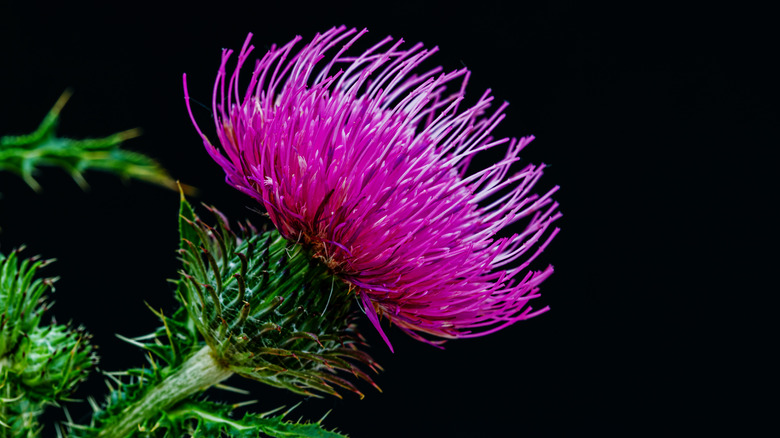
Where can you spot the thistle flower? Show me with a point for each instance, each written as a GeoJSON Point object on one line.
{"type": "Point", "coordinates": [366, 163]}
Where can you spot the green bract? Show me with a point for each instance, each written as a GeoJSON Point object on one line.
{"type": "Point", "coordinates": [267, 308]}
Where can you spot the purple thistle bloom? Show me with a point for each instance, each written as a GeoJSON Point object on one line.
{"type": "Point", "coordinates": [367, 164]}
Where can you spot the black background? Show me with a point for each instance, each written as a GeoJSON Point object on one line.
{"type": "Point", "coordinates": [654, 120]}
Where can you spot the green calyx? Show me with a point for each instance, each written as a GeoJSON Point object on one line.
{"type": "Point", "coordinates": [267, 308]}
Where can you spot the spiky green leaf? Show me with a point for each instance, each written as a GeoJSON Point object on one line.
{"type": "Point", "coordinates": [24, 154]}
{"type": "Point", "coordinates": [209, 419]}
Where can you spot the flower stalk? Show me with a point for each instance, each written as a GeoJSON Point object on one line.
{"type": "Point", "coordinates": [198, 373]}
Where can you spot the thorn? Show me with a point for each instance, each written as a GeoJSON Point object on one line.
{"type": "Point", "coordinates": [231, 389]}
{"type": "Point", "coordinates": [130, 133]}
{"type": "Point", "coordinates": [242, 404]}
{"type": "Point", "coordinates": [61, 101]}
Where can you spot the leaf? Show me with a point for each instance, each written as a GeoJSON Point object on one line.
{"type": "Point", "coordinates": [24, 154]}
{"type": "Point", "coordinates": [210, 419]}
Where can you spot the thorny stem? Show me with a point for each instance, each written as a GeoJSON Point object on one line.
{"type": "Point", "coordinates": [198, 373]}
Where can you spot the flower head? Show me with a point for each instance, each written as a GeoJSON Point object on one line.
{"type": "Point", "coordinates": [366, 163]}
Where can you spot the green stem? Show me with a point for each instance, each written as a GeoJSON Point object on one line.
{"type": "Point", "coordinates": [198, 373]}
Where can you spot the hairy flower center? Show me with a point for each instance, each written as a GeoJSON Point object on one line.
{"type": "Point", "coordinates": [319, 250]}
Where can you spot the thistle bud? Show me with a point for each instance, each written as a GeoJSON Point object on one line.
{"type": "Point", "coordinates": [38, 365]}
{"type": "Point", "coordinates": [267, 307]}
{"type": "Point", "coordinates": [22, 299]}
{"type": "Point", "coordinates": [52, 360]}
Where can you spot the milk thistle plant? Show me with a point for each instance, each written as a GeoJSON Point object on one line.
{"type": "Point", "coordinates": [364, 166]}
